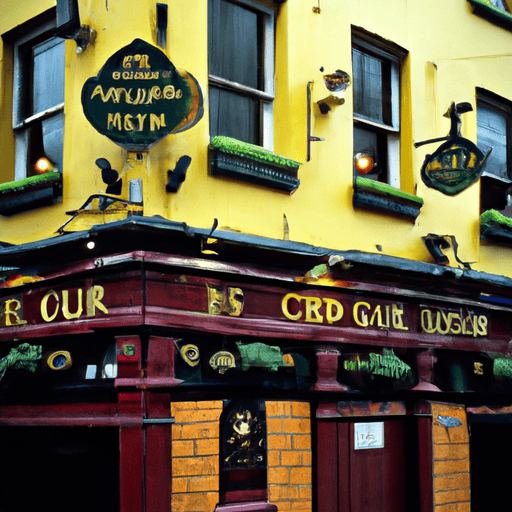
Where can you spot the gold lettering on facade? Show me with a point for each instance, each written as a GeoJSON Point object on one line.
{"type": "Point", "coordinates": [333, 308]}
{"type": "Point", "coordinates": [146, 96]}
{"type": "Point", "coordinates": [11, 317]}
{"type": "Point", "coordinates": [44, 306]}
{"type": "Point", "coordinates": [450, 322]}
{"type": "Point", "coordinates": [94, 296]}
{"type": "Point", "coordinates": [230, 302]}
{"type": "Point", "coordinates": [65, 305]}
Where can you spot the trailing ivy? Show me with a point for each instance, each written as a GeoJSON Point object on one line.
{"type": "Point", "coordinates": [250, 151]}
{"type": "Point", "coordinates": [15, 186]}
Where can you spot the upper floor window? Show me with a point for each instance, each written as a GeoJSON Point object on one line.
{"type": "Point", "coordinates": [376, 88]}
{"type": "Point", "coordinates": [494, 129]}
{"type": "Point", "coordinates": [38, 99]}
{"type": "Point", "coordinates": [500, 4]}
{"type": "Point", "coordinates": [241, 70]}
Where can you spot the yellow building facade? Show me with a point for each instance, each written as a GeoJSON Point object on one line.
{"type": "Point", "coordinates": [251, 220]}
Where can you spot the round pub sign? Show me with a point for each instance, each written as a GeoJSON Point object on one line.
{"type": "Point", "coordinates": [139, 97]}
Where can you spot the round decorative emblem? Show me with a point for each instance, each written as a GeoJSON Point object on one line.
{"type": "Point", "coordinates": [139, 97]}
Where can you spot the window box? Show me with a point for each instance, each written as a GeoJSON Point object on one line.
{"type": "Point", "coordinates": [381, 197]}
{"type": "Point", "coordinates": [244, 161]}
{"type": "Point", "coordinates": [26, 194]}
{"type": "Point", "coordinates": [495, 14]}
{"type": "Point", "coordinates": [495, 227]}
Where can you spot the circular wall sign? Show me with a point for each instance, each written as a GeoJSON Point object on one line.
{"type": "Point", "coordinates": [139, 97]}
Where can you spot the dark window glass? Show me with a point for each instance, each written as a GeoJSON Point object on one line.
{"type": "Point", "coordinates": [372, 87]}
{"type": "Point", "coordinates": [48, 76]}
{"type": "Point", "coordinates": [234, 115]}
{"type": "Point", "coordinates": [374, 144]}
{"type": "Point", "coordinates": [59, 469]}
{"type": "Point", "coordinates": [235, 61]}
{"type": "Point", "coordinates": [492, 132]}
{"type": "Point", "coordinates": [38, 99]}
{"type": "Point", "coordinates": [234, 43]}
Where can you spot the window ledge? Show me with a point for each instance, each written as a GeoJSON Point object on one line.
{"type": "Point", "coordinates": [487, 10]}
{"type": "Point", "coordinates": [244, 161]}
{"type": "Point", "coordinates": [29, 193]}
{"type": "Point", "coordinates": [495, 227]}
{"type": "Point", "coordinates": [381, 197]}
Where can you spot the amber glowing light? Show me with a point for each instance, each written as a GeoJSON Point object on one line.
{"type": "Point", "coordinates": [43, 165]}
{"type": "Point", "coordinates": [364, 163]}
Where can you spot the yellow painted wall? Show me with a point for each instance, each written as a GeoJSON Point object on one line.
{"type": "Point", "coordinates": [451, 52]}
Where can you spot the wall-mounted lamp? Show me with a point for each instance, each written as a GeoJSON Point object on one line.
{"type": "Point", "coordinates": [43, 165]}
{"type": "Point", "coordinates": [177, 177]}
{"type": "Point", "coordinates": [364, 163]}
{"type": "Point", "coordinates": [69, 26]}
{"type": "Point", "coordinates": [336, 83]}
{"type": "Point", "coordinates": [110, 177]}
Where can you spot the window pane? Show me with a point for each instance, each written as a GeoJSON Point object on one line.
{"type": "Point", "coordinates": [48, 77]}
{"type": "Point", "coordinates": [492, 132]}
{"type": "Point", "coordinates": [372, 87]}
{"type": "Point", "coordinates": [59, 469]}
{"type": "Point", "coordinates": [373, 143]}
{"type": "Point", "coordinates": [53, 139]}
{"type": "Point", "coordinates": [234, 43]}
{"type": "Point", "coordinates": [234, 115]}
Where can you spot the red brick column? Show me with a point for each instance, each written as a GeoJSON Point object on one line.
{"type": "Point", "coordinates": [289, 455]}
{"type": "Point", "coordinates": [451, 458]}
{"type": "Point", "coordinates": [195, 456]}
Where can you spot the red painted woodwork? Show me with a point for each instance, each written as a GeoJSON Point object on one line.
{"type": "Point", "coordinates": [146, 296]}
{"type": "Point", "coordinates": [372, 480]}
{"type": "Point", "coordinates": [131, 445]}
{"type": "Point", "coordinates": [378, 476]}
{"type": "Point", "coordinates": [425, 464]}
{"type": "Point", "coordinates": [158, 440]}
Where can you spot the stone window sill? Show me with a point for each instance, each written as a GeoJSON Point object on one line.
{"type": "Point", "coordinates": [381, 197]}
{"type": "Point", "coordinates": [485, 9]}
{"type": "Point", "coordinates": [235, 159]}
{"type": "Point", "coordinates": [495, 227]}
{"type": "Point", "coordinates": [29, 193]}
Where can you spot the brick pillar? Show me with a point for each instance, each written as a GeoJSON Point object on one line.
{"type": "Point", "coordinates": [289, 455]}
{"type": "Point", "coordinates": [195, 456]}
{"type": "Point", "coordinates": [451, 458]}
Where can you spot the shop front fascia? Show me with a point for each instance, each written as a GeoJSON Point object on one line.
{"type": "Point", "coordinates": [157, 308]}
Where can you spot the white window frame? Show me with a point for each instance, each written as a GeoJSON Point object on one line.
{"type": "Point", "coordinates": [267, 94]}
{"type": "Point", "coordinates": [392, 130]}
{"type": "Point", "coordinates": [21, 124]}
{"type": "Point", "coordinates": [503, 108]}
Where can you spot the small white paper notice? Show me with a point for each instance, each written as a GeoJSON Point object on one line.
{"type": "Point", "coordinates": [90, 373]}
{"type": "Point", "coordinates": [368, 435]}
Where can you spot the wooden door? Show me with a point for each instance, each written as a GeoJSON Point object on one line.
{"type": "Point", "coordinates": [352, 478]}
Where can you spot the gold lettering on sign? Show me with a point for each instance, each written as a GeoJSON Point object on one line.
{"type": "Point", "coordinates": [384, 316]}
{"type": "Point", "coordinates": [11, 317]}
{"type": "Point", "coordinates": [44, 306]}
{"type": "Point", "coordinates": [479, 368]}
{"type": "Point", "coordinates": [333, 308]}
{"type": "Point", "coordinates": [450, 322]}
{"type": "Point", "coordinates": [50, 309]}
{"type": "Point", "coordinates": [65, 305]}
{"type": "Point", "coordinates": [141, 96]}
{"type": "Point", "coordinates": [94, 296]}
{"type": "Point", "coordinates": [220, 302]}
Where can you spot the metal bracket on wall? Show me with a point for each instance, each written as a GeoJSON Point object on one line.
{"type": "Point", "coordinates": [311, 138]}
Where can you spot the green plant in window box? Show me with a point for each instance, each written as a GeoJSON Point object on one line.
{"type": "Point", "coordinates": [241, 160]}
